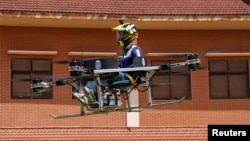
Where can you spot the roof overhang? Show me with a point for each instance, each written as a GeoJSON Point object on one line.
{"type": "Point", "coordinates": [150, 22]}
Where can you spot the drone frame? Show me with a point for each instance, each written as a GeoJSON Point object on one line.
{"type": "Point", "coordinates": [193, 63]}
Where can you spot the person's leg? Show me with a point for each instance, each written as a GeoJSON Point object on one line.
{"type": "Point", "coordinates": [91, 84]}
{"type": "Point", "coordinates": [120, 77]}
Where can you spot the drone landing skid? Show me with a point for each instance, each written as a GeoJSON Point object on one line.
{"type": "Point", "coordinates": [110, 109]}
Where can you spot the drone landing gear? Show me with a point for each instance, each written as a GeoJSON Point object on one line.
{"type": "Point", "coordinates": [110, 109]}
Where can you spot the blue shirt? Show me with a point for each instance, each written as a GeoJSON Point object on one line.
{"type": "Point", "coordinates": [126, 61]}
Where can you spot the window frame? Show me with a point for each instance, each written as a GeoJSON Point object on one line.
{"type": "Point", "coordinates": [229, 75]}
{"type": "Point", "coordinates": [170, 74]}
{"type": "Point", "coordinates": [30, 75]}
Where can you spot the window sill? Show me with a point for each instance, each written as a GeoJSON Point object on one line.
{"type": "Point", "coordinates": [234, 54]}
{"type": "Point", "coordinates": [29, 52]}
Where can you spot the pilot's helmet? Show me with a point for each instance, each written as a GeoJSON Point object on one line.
{"type": "Point", "coordinates": [126, 32]}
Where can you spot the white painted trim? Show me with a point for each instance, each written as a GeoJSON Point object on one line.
{"type": "Point", "coordinates": [133, 118]}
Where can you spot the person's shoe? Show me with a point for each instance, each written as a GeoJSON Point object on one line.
{"type": "Point", "coordinates": [90, 94]}
{"type": "Point", "coordinates": [80, 97]}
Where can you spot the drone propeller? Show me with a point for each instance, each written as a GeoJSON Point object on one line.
{"type": "Point", "coordinates": [179, 55]}
{"type": "Point", "coordinates": [159, 84]}
{"type": "Point", "coordinates": [202, 67]}
{"type": "Point", "coordinates": [40, 91]}
{"type": "Point", "coordinates": [57, 61]}
{"type": "Point", "coordinates": [21, 80]}
{"type": "Point", "coordinates": [40, 77]}
{"type": "Point", "coordinates": [66, 61]}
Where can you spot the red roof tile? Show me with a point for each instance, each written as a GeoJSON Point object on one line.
{"type": "Point", "coordinates": [104, 133]}
{"type": "Point", "coordinates": [130, 7]}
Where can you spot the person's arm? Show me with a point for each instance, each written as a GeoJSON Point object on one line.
{"type": "Point", "coordinates": [127, 61]}
{"type": "Point", "coordinates": [136, 52]}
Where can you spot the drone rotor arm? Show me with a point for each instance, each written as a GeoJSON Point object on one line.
{"type": "Point", "coordinates": [193, 63]}
{"type": "Point", "coordinates": [172, 65]}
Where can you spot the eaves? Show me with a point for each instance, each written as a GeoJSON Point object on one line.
{"type": "Point", "coordinates": [106, 21]}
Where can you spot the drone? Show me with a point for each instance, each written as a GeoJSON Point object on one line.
{"type": "Point", "coordinates": [108, 98]}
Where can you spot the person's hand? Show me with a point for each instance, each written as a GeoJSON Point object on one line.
{"type": "Point", "coordinates": [119, 58]}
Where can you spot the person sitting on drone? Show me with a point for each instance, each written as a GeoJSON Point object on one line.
{"type": "Point", "coordinates": [127, 39]}
{"type": "Point", "coordinates": [127, 36]}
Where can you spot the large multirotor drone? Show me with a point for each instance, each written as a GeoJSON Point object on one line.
{"type": "Point", "coordinates": [108, 98]}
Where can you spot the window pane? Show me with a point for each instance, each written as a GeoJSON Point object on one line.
{"type": "Point", "coordinates": [160, 92]}
{"type": "Point", "coordinates": [218, 86]}
{"type": "Point", "coordinates": [179, 69]}
{"type": "Point", "coordinates": [217, 66]}
{"type": "Point", "coordinates": [21, 69]}
{"type": "Point", "coordinates": [158, 63]}
{"type": "Point", "coordinates": [232, 83]}
{"type": "Point", "coordinates": [21, 89]}
{"type": "Point", "coordinates": [237, 66]}
{"type": "Point", "coordinates": [46, 77]}
{"type": "Point", "coordinates": [41, 65]}
{"type": "Point", "coordinates": [180, 86]}
{"type": "Point", "coordinates": [20, 65]}
{"type": "Point", "coordinates": [177, 83]}
{"type": "Point", "coordinates": [46, 92]}
{"type": "Point", "coordinates": [238, 86]}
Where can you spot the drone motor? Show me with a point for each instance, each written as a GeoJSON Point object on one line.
{"type": "Point", "coordinates": [36, 85]}
{"type": "Point", "coordinates": [194, 62]}
{"type": "Point", "coordinates": [39, 86]}
{"type": "Point", "coordinates": [75, 67]}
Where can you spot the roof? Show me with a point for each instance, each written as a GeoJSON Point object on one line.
{"type": "Point", "coordinates": [104, 133]}
{"type": "Point", "coordinates": [146, 14]}
{"type": "Point", "coordinates": [131, 7]}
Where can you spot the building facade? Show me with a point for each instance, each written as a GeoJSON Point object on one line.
{"type": "Point", "coordinates": [217, 94]}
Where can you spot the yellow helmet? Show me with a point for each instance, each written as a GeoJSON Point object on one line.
{"type": "Point", "coordinates": [125, 33]}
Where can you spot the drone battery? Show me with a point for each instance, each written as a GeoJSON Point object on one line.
{"type": "Point", "coordinates": [105, 99]}
{"type": "Point", "coordinates": [100, 63]}
{"type": "Point", "coordinates": [78, 67]}
{"type": "Point", "coordinates": [109, 99]}
{"type": "Point", "coordinates": [112, 100]}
